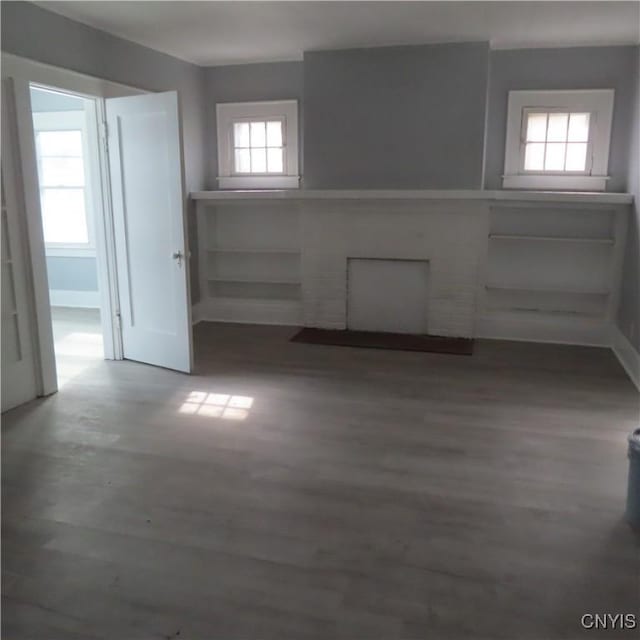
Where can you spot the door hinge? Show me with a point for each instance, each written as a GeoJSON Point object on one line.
{"type": "Point", "coordinates": [104, 133]}
{"type": "Point", "coordinates": [118, 319]}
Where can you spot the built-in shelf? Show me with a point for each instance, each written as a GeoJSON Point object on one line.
{"type": "Point", "coordinates": [254, 280]}
{"type": "Point", "coordinates": [501, 236]}
{"type": "Point", "coordinates": [558, 313]}
{"type": "Point", "coordinates": [250, 265]}
{"type": "Point", "coordinates": [254, 250]}
{"type": "Point", "coordinates": [559, 290]}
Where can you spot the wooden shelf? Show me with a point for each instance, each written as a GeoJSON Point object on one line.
{"type": "Point", "coordinates": [254, 250]}
{"type": "Point", "coordinates": [591, 292]}
{"type": "Point", "coordinates": [255, 280]}
{"type": "Point", "coordinates": [547, 312]}
{"type": "Point", "coordinates": [501, 236]}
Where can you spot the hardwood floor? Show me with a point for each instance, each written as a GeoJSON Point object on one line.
{"type": "Point", "coordinates": [77, 335]}
{"type": "Point", "coordinates": [298, 491]}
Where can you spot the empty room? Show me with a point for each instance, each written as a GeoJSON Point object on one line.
{"type": "Point", "coordinates": [320, 320]}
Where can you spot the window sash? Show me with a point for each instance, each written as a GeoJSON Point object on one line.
{"type": "Point", "coordinates": [523, 141]}
{"type": "Point", "coordinates": [67, 243]}
{"type": "Point", "coordinates": [44, 186]}
{"type": "Point", "coordinates": [234, 147]}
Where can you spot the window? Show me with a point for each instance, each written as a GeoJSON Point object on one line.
{"type": "Point", "coordinates": [62, 189]}
{"type": "Point", "coordinates": [555, 141]}
{"type": "Point", "coordinates": [558, 139]}
{"type": "Point", "coordinates": [258, 145]}
{"type": "Point", "coordinates": [65, 191]}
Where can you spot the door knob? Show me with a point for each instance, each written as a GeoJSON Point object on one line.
{"type": "Point", "coordinates": [179, 256]}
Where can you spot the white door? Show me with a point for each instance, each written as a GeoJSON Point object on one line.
{"type": "Point", "coordinates": [19, 383]}
{"type": "Point", "coordinates": [145, 158]}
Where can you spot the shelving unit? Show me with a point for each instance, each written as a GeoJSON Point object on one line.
{"type": "Point", "coordinates": [253, 250]}
{"type": "Point", "coordinates": [529, 238]}
{"type": "Point", "coordinates": [551, 272]}
{"type": "Point", "coordinates": [250, 262]}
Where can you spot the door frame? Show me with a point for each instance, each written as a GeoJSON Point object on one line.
{"type": "Point", "coordinates": [22, 74]}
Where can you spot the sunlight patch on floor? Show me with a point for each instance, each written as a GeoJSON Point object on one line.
{"type": "Point", "coordinates": [217, 405]}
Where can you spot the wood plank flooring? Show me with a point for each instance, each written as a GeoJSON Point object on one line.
{"type": "Point", "coordinates": [299, 491]}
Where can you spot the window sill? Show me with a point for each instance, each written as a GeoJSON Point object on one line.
{"type": "Point", "coordinates": [259, 182]}
{"type": "Point", "coordinates": [562, 183]}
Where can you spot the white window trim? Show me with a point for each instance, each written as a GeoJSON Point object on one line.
{"type": "Point", "coordinates": [61, 121]}
{"type": "Point", "coordinates": [230, 112]}
{"type": "Point", "coordinates": [598, 102]}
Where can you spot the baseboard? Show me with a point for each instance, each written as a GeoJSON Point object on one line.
{"type": "Point", "coordinates": [82, 299]}
{"type": "Point", "coordinates": [235, 310]}
{"type": "Point", "coordinates": [196, 313]}
{"type": "Point", "coordinates": [629, 358]}
{"type": "Point", "coordinates": [547, 328]}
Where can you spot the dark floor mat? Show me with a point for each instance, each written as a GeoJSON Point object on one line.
{"type": "Point", "coordinates": [380, 340]}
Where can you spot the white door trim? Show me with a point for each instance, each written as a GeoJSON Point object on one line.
{"type": "Point", "coordinates": [48, 381]}
{"type": "Point", "coordinates": [20, 378]}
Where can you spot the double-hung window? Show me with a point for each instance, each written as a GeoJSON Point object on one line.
{"type": "Point", "coordinates": [61, 153]}
{"type": "Point", "coordinates": [258, 145]}
{"type": "Point", "coordinates": [558, 139]}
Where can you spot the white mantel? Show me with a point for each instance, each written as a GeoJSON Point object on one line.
{"type": "Point", "coordinates": [542, 266]}
{"type": "Point", "coordinates": [415, 194]}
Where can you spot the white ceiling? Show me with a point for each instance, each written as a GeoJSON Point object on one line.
{"type": "Point", "coordinates": [215, 33]}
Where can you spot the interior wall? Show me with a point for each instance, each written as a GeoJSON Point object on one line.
{"type": "Point", "coordinates": [395, 117]}
{"type": "Point", "coordinates": [34, 33]}
{"type": "Point", "coordinates": [250, 83]}
{"type": "Point", "coordinates": [628, 318]}
{"type": "Point", "coordinates": [568, 68]}
{"type": "Point", "coordinates": [70, 273]}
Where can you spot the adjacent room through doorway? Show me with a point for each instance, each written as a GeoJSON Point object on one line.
{"type": "Point", "coordinates": [65, 131]}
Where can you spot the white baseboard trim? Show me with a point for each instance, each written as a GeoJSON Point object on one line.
{"type": "Point", "coordinates": [629, 358]}
{"type": "Point", "coordinates": [235, 310]}
{"type": "Point", "coordinates": [196, 313]}
{"type": "Point", "coordinates": [82, 299]}
{"type": "Point", "coordinates": [543, 328]}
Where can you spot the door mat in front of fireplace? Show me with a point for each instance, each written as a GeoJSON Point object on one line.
{"type": "Point", "coordinates": [383, 340]}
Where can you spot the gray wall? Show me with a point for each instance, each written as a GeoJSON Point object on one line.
{"type": "Point", "coordinates": [32, 32]}
{"type": "Point", "coordinates": [249, 83]}
{"type": "Point", "coordinates": [72, 273]}
{"type": "Point", "coordinates": [572, 68]}
{"type": "Point", "coordinates": [628, 318]}
{"type": "Point", "coordinates": [395, 117]}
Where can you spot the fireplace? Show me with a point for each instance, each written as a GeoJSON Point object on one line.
{"type": "Point", "coordinates": [387, 295]}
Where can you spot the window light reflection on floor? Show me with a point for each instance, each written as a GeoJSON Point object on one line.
{"type": "Point", "coordinates": [217, 405]}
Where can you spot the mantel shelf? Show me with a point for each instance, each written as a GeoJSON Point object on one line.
{"type": "Point", "coordinates": [413, 194]}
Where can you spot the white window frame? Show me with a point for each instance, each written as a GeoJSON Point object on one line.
{"type": "Point", "coordinates": [227, 114]}
{"type": "Point", "coordinates": [597, 102]}
{"type": "Point", "coordinates": [70, 121]}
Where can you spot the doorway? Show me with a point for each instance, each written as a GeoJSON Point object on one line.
{"type": "Point", "coordinates": [101, 184]}
{"type": "Point", "coordinates": [67, 156]}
